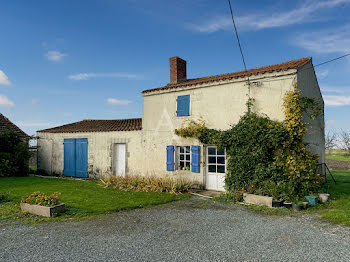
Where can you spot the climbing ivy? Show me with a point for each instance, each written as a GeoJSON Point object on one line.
{"type": "Point", "coordinates": [265, 156]}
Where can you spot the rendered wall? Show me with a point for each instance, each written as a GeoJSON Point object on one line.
{"type": "Point", "coordinates": [101, 155]}
{"type": "Point", "coordinates": [308, 85]}
{"type": "Point", "coordinates": [220, 105]}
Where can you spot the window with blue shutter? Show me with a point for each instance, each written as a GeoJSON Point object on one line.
{"type": "Point", "coordinates": [196, 157]}
{"type": "Point", "coordinates": [170, 158]}
{"type": "Point", "coordinates": [183, 105]}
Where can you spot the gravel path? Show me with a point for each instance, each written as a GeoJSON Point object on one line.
{"type": "Point", "coordinates": [191, 230]}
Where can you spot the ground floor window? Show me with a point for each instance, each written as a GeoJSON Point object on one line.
{"type": "Point", "coordinates": [183, 157]}
{"type": "Point", "coordinates": [216, 160]}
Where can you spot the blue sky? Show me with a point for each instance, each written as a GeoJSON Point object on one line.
{"type": "Point", "coordinates": [64, 61]}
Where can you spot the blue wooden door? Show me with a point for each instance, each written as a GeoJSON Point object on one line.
{"type": "Point", "coordinates": [81, 157]}
{"type": "Point", "coordinates": [69, 157]}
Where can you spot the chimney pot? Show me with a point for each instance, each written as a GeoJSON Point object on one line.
{"type": "Point", "coordinates": [177, 69]}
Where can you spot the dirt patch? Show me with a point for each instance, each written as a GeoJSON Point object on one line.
{"type": "Point", "coordinates": [338, 165]}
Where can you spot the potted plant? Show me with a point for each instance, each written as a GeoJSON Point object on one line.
{"type": "Point", "coordinates": [313, 200]}
{"type": "Point", "coordinates": [298, 205]}
{"type": "Point", "coordinates": [277, 203]}
{"type": "Point", "coordinates": [187, 168]}
{"type": "Point", "coordinates": [47, 205]}
{"type": "Point", "coordinates": [287, 204]}
{"type": "Point", "coordinates": [305, 204]}
{"type": "Point", "coordinates": [323, 197]}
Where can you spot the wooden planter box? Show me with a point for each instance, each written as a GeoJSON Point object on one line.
{"type": "Point", "coordinates": [257, 200]}
{"type": "Point", "coordinates": [42, 210]}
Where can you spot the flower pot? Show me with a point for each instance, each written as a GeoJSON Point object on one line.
{"type": "Point", "coordinates": [42, 210]}
{"type": "Point", "coordinates": [305, 205]}
{"type": "Point", "coordinates": [313, 200]}
{"type": "Point", "coordinates": [297, 207]}
{"type": "Point", "coordinates": [324, 197]}
{"type": "Point", "coordinates": [287, 204]}
{"type": "Point", "coordinates": [277, 203]}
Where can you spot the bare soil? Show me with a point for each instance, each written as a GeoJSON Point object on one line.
{"type": "Point", "coordinates": [337, 164]}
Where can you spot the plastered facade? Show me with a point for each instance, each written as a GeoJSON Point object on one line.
{"type": "Point", "coordinates": [220, 104]}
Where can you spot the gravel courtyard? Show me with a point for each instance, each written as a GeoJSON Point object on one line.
{"type": "Point", "coordinates": [191, 230]}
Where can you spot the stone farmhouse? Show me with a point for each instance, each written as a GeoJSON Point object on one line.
{"type": "Point", "coordinates": [149, 146]}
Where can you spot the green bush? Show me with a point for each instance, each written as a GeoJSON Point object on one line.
{"type": "Point", "coordinates": [14, 155]}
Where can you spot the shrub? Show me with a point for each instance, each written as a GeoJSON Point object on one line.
{"type": "Point", "coordinates": [14, 155]}
{"type": "Point", "coordinates": [33, 169]}
{"type": "Point", "coordinates": [147, 184]}
{"type": "Point", "coordinates": [42, 199]}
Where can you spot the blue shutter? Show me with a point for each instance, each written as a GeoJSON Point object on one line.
{"type": "Point", "coordinates": [170, 158]}
{"type": "Point", "coordinates": [81, 157]}
{"type": "Point", "coordinates": [69, 157]}
{"type": "Point", "coordinates": [183, 105]}
{"type": "Point", "coordinates": [196, 158]}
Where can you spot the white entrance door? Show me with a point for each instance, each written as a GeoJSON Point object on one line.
{"type": "Point", "coordinates": [120, 159]}
{"type": "Point", "coordinates": [215, 169]}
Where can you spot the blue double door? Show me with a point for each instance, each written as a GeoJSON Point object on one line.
{"type": "Point", "coordinates": [76, 157]}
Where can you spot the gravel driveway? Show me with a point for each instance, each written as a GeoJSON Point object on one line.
{"type": "Point", "coordinates": [191, 230]}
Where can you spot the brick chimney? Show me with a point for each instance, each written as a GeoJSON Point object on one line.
{"type": "Point", "coordinates": [177, 69]}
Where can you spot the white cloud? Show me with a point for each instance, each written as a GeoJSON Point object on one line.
{"type": "Point", "coordinates": [5, 101]}
{"type": "Point", "coordinates": [332, 40]}
{"type": "Point", "coordinates": [330, 122]}
{"type": "Point", "coordinates": [323, 74]}
{"type": "Point", "coordinates": [55, 56]}
{"type": "Point", "coordinates": [331, 90]}
{"type": "Point", "coordinates": [307, 12]}
{"type": "Point", "coordinates": [35, 101]}
{"type": "Point", "coordinates": [332, 100]}
{"type": "Point", "coordinates": [114, 101]}
{"type": "Point", "coordinates": [4, 79]}
{"type": "Point", "coordinates": [86, 76]}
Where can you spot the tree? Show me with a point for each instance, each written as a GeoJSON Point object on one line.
{"type": "Point", "coordinates": [345, 140]}
{"type": "Point", "coordinates": [14, 154]}
{"type": "Point", "coordinates": [331, 140]}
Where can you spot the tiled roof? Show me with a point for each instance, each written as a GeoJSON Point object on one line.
{"type": "Point", "coordinates": [6, 124]}
{"type": "Point", "coordinates": [294, 64]}
{"type": "Point", "coordinates": [98, 126]}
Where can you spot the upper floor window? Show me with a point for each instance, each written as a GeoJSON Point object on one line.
{"type": "Point", "coordinates": [183, 105]}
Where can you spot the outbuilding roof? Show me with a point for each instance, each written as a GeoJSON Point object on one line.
{"type": "Point", "coordinates": [293, 64]}
{"type": "Point", "coordinates": [6, 125]}
{"type": "Point", "coordinates": [98, 126]}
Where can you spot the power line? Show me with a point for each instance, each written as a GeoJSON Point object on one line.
{"type": "Point", "coordinates": [239, 45]}
{"type": "Point", "coordinates": [326, 62]}
{"type": "Point", "coordinates": [332, 60]}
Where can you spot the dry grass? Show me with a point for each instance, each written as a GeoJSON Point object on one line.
{"type": "Point", "coordinates": [148, 184]}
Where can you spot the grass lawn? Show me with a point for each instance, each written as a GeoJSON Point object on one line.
{"type": "Point", "coordinates": [83, 199]}
{"type": "Point", "coordinates": [336, 211]}
{"type": "Point", "coordinates": [339, 155]}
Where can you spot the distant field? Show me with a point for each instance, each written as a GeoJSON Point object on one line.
{"type": "Point", "coordinates": [339, 155]}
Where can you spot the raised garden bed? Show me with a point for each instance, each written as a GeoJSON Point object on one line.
{"type": "Point", "coordinates": [44, 211]}
{"type": "Point", "coordinates": [257, 200]}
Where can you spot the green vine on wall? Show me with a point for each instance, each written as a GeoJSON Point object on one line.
{"type": "Point", "coordinates": [265, 156]}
